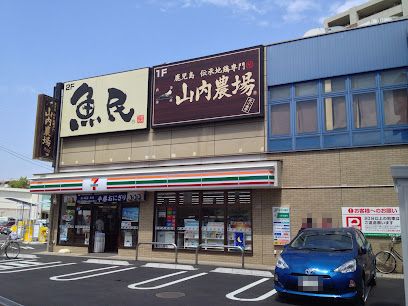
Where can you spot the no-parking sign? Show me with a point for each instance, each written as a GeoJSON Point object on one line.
{"type": "Point", "coordinates": [373, 221]}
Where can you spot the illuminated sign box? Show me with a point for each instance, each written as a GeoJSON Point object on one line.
{"type": "Point", "coordinates": [109, 103]}
{"type": "Point", "coordinates": [218, 87]}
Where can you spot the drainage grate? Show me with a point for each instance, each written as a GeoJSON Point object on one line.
{"type": "Point", "coordinates": [170, 295]}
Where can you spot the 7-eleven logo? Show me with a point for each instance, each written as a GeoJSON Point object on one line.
{"type": "Point", "coordinates": [95, 184]}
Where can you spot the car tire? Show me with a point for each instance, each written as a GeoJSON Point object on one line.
{"type": "Point", "coordinates": [373, 281]}
{"type": "Point", "coordinates": [282, 296]}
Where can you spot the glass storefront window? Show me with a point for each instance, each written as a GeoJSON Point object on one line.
{"type": "Point", "coordinates": [396, 106]}
{"type": "Point", "coordinates": [204, 218]}
{"type": "Point", "coordinates": [67, 220]}
{"type": "Point", "coordinates": [239, 227]}
{"type": "Point", "coordinates": [335, 84]}
{"type": "Point", "coordinates": [280, 119]}
{"type": "Point", "coordinates": [82, 224]}
{"type": "Point", "coordinates": [366, 80]}
{"type": "Point", "coordinates": [394, 77]}
{"type": "Point", "coordinates": [364, 110]}
{"type": "Point", "coordinates": [306, 89]}
{"type": "Point", "coordinates": [306, 116]}
{"type": "Point", "coordinates": [129, 226]}
{"type": "Point", "coordinates": [280, 92]}
{"type": "Point", "coordinates": [335, 113]}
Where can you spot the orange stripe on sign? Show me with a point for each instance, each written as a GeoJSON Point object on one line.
{"type": "Point", "coordinates": [55, 181]}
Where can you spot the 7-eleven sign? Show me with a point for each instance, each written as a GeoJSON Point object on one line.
{"type": "Point", "coordinates": [95, 184]}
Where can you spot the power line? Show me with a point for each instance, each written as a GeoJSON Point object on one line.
{"type": "Point", "coordinates": [23, 157]}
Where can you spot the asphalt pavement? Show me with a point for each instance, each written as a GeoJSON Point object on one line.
{"type": "Point", "coordinates": [71, 280]}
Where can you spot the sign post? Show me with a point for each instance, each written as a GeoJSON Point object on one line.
{"type": "Point", "coordinates": [400, 176]}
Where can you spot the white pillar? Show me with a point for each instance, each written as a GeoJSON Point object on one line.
{"type": "Point", "coordinates": [400, 176]}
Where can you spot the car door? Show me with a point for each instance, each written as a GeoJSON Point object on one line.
{"type": "Point", "coordinates": [362, 257]}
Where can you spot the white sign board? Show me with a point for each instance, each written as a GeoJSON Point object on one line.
{"type": "Point", "coordinates": [281, 225]}
{"type": "Point", "coordinates": [373, 221]}
{"type": "Point", "coordinates": [109, 103]}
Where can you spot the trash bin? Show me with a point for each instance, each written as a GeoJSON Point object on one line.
{"type": "Point", "coordinates": [99, 243]}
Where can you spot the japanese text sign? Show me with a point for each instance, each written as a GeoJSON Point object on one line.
{"type": "Point", "coordinates": [281, 225]}
{"type": "Point", "coordinates": [110, 103]}
{"type": "Point", "coordinates": [45, 130]}
{"type": "Point", "coordinates": [373, 221]}
{"type": "Point", "coordinates": [218, 87]}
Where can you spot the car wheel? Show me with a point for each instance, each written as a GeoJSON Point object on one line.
{"type": "Point", "coordinates": [373, 281]}
{"type": "Point", "coordinates": [282, 296]}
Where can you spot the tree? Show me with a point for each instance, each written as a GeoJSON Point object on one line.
{"type": "Point", "coordinates": [22, 182]}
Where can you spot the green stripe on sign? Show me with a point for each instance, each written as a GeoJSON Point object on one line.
{"type": "Point", "coordinates": [71, 185]}
{"type": "Point", "coordinates": [37, 186]}
{"type": "Point", "coordinates": [250, 178]}
{"type": "Point", "coordinates": [121, 183]}
{"type": "Point", "coordinates": [151, 182]}
{"type": "Point", "coordinates": [271, 177]}
{"type": "Point", "coordinates": [185, 180]}
{"type": "Point", "coordinates": [53, 186]}
{"type": "Point", "coordinates": [216, 179]}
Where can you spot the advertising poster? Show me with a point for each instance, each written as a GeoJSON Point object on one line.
{"type": "Point", "coordinates": [130, 214]}
{"type": "Point", "coordinates": [218, 87]}
{"type": "Point", "coordinates": [109, 103]}
{"type": "Point", "coordinates": [281, 225]}
{"type": "Point", "coordinates": [373, 221]}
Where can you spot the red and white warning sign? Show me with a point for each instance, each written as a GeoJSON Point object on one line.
{"type": "Point", "coordinates": [373, 221]}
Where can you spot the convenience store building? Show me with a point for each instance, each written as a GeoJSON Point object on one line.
{"type": "Point", "coordinates": [241, 148]}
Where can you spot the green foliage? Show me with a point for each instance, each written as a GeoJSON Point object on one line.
{"type": "Point", "coordinates": [22, 182]}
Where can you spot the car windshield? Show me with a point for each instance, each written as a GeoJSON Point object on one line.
{"type": "Point", "coordinates": [323, 241]}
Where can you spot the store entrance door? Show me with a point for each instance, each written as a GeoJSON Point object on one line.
{"type": "Point", "coordinates": [104, 229]}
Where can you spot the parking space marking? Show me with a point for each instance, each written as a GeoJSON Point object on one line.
{"type": "Point", "coordinates": [19, 264]}
{"type": "Point", "coordinates": [232, 295]}
{"type": "Point", "coordinates": [135, 286]}
{"type": "Point", "coordinates": [61, 278]}
{"type": "Point", "coordinates": [108, 262]}
{"type": "Point", "coordinates": [243, 272]}
{"type": "Point", "coordinates": [45, 266]}
{"type": "Point", "coordinates": [169, 266]}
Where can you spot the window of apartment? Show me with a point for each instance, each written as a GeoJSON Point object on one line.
{"type": "Point", "coordinates": [394, 77]}
{"type": "Point", "coordinates": [364, 110]}
{"type": "Point", "coordinates": [334, 85]}
{"type": "Point", "coordinates": [335, 113]}
{"type": "Point", "coordinates": [214, 218]}
{"type": "Point", "coordinates": [280, 92]}
{"type": "Point", "coordinates": [361, 81]}
{"type": "Point", "coordinates": [306, 89]}
{"type": "Point", "coordinates": [306, 116]}
{"type": "Point", "coordinates": [396, 106]}
{"type": "Point", "coordinates": [280, 119]}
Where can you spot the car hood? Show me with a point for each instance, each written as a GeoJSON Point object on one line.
{"type": "Point", "coordinates": [324, 262]}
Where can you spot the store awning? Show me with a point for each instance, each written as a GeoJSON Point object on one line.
{"type": "Point", "coordinates": [261, 174]}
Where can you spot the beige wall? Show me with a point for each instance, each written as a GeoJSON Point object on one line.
{"type": "Point", "coordinates": [205, 140]}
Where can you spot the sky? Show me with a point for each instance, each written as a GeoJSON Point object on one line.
{"type": "Point", "coordinates": [46, 41]}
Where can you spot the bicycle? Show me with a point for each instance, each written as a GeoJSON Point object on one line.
{"type": "Point", "coordinates": [386, 261]}
{"type": "Point", "coordinates": [10, 247]}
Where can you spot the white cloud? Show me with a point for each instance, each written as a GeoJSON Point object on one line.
{"type": "Point", "coordinates": [295, 10]}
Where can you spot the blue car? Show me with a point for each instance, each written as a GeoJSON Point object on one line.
{"type": "Point", "coordinates": [330, 263]}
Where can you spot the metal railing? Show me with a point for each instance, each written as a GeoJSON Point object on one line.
{"type": "Point", "coordinates": [158, 243]}
{"type": "Point", "coordinates": [203, 245]}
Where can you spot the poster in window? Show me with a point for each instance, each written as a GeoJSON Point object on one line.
{"type": "Point", "coordinates": [130, 214]}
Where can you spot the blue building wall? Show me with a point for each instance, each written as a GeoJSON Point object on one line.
{"type": "Point", "coordinates": [366, 70]}
{"type": "Point", "coordinates": [370, 48]}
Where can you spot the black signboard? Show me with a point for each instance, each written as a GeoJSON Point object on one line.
{"type": "Point", "coordinates": [218, 87]}
{"type": "Point", "coordinates": [45, 129]}
{"type": "Point", "coordinates": [120, 197]}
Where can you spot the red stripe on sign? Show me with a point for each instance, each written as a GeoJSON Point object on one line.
{"type": "Point", "coordinates": [119, 187]}
{"type": "Point", "coordinates": [63, 189]}
{"type": "Point", "coordinates": [151, 186]}
{"type": "Point", "coordinates": [220, 184]}
{"type": "Point", "coordinates": [184, 185]}
{"type": "Point", "coordinates": [255, 183]}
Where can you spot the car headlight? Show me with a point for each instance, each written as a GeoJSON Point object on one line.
{"type": "Point", "coordinates": [280, 263]}
{"type": "Point", "coordinates": [347, 267]}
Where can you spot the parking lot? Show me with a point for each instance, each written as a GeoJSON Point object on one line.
{"type": "Point", "coordinates": [63, 280]}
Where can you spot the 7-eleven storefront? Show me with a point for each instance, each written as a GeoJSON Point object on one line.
{"type": "Point", "coordinates": [217, 204]}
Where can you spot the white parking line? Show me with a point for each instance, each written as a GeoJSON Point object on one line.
{"type": "Point", "coordinates": [169, 266]}
{"type": "Point", "coordinates": [243, 272]}
{"type": "Point", "coordinates": [232, 295]}
{"type": "Point", "coordinates": [135, 286]}
{"type": "Point", "coordinates": [61, 278]}
{"type": "Point", "coordinates": [108, 262]}
{"type": "Point", "coordinates": [46, 266]}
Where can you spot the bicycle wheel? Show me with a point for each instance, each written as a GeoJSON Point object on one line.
{"type": "Point", "coordinates": [12, 250]}
{"type": "Point", "coordinates": [385, 262]}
